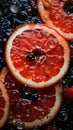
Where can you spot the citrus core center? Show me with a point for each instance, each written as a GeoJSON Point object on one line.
{"type": "Point", "coordinates": [37, 54]}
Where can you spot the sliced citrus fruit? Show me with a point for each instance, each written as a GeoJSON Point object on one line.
{"type": "Point", "coordinates": [37, 55]}
{"type": "Point", "coordinates": [69, 93]}
{"type": "Point", "coordinates": [31, 108]}
{"type": "Point", "coordinates": [58, 14]}
{"type": "Point", "coordinates": [4, 103]}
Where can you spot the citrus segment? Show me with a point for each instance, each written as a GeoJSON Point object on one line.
{"type": "Point", "coordinates": [37, 55]}
{"type": "Point", "coordinates": [31, 108]}
{"type": "Point", "coordinates": [58, 14]}
{"type": "Point", "coordinates": [4, 103]}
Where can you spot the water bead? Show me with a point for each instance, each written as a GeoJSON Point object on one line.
{"type": "Point", "coordinates": [68, 7]}
{"type": "Point", "coordinates": [15, 8]}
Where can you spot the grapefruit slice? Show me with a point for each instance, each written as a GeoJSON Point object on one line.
{"type": "Point", "coordinates": [30, 108]}
{"type": "Point", "coordinates": [4, 103]}
{"type": "Point", "coordinates": [58, 15]}
{"type": "Point", "coordinates": [37, 55]}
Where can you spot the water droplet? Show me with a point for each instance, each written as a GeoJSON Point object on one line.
{"type": "Point", "coordinates": [63, 116]}
{"type": "Point", "coordinates": [13, 84]}
{"type": "Point", "coordinates": [34, 97]}
{"type": "Point", "coordinates": [15, 8]}
{"type": "Point", "coordinates": [68, 7]}
{"type": "Point", "coordinates": [27, 113]}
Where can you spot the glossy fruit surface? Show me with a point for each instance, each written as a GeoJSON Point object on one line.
{"type": "Point", "coordinates": [4, 102]}
{"type": "Point", "coordinates": [37, 55]}
{"type": "Point", "coordinates": [69, 93]}
{"type": "Point", "coordinates": [30, 108]}
{"type": "Point", "coordinates": [57, 14]}
{"type": "Point", "coordinates": [8, 22]}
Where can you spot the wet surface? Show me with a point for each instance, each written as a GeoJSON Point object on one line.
{"type": "Point", "coordinates": [14, 13]}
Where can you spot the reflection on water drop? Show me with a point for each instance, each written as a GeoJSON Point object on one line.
{"type": "Point", "coordinates": [15, 8]}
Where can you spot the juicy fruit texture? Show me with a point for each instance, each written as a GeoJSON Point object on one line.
{"type": "Point", "coordinates": [58, 15]}
{"type": "Point", "coordinates": [37, 61]}
{"type": "Point", "coordinates": [29, 107]}
{"type": "Point", "coordinates": [8, 22]}
{"type": "Point", "coordinates": [69, 93]}
{"type": "Point", "coordinates": [4, 102]}
{"type": "Point", "coordinates": [14, 13]}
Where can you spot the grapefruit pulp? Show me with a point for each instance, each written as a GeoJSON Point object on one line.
{"type": "Point", "coordinates": [30, 108]}
{"type": "Point", "coordinates": [4, 101]}
{"type": "Point", "coordinates": [58, 15]}
{"type": "Point", "coordinates": [37, 55]}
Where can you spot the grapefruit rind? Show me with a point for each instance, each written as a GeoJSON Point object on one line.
{"type": "Point", "coordinates": [44, 15]}
{"type": "Point", "coordinates": [45, 120]}
{"type": "Point", "coordinates": [29, 82]}
{"type": "Point", "coordinates": [38, 122]}
{"type": "Point", "coordinates": [6, 98]}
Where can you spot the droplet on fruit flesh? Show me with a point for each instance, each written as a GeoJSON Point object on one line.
{"type": "Point", "coordinates": [68, 7]}
{"type": "Point", "coordinates": [4, 26]}
{"type": "Point", "coordinates": [30, 95]}
{"type": "Point", "coordinates": [37, 54]}
{"type": "Point", "coordinates": [34, 96]}
{"type": "Point", "coordinates": [31, 57]}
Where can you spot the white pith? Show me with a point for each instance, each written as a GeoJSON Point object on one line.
{"type": "Point", "coordinates": [36, 123]}
{"type": "Point", "coordinates": [45, 17]}
{"type": "Point", "coordinates": [53, 111]}
{"type": "Point", "coordinates": [5, 95]}
{"type": "Point", "coordinates": [29, 82]}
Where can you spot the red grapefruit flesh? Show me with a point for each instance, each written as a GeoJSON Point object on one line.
{"type": "Point", "coordinates": [58, 15]}
{"type": "Point", "coordinates": [4, 102]}
{"type": "Point", "coordinates": [37, 55]}
{"type": "Point", "coordinates": [30, 108]}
